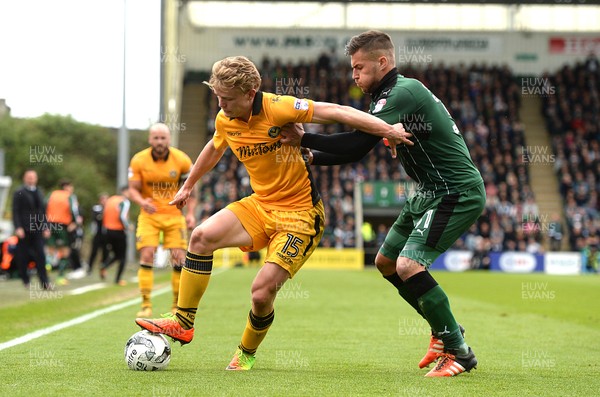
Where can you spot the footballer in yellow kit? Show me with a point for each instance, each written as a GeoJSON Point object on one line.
{"type": "Point", "coordinates": [285, 212]}
{"type": "Point", "coordinates": [160, 181]}
{"type": "Point", "coordinates": [155, 175]}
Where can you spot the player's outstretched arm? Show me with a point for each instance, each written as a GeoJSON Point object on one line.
{"type": "Point", "coordinates": [207, 159]}
{"type": "Point", "coordinates": [340, 148]}
{"type": "Point", "coordinates": [325, 112]}
{"type": "Point", "coordinates": [190, 215]}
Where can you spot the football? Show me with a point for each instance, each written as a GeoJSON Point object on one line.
{"type": "Point", "coordinates": [146, 351]}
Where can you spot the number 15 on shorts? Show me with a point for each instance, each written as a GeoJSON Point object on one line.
{"type": "Point", "coordinates": [291, 247]}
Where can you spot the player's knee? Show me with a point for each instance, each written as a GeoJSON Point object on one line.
{"type": "Point", "coordinates": [201, 241]}
{"type": "Point", "coordinates": [263, 293]}
{"type": "Point", "coordinates": [406, 267]}
{"type": "Point", "coordinates": [146, 255]}
{"type": "Point", "coordinates": [263, 297]}
{"type": "Point", "coordinates": [385, 265]}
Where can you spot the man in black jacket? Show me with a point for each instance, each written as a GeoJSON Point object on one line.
{"type": "Point", "coordinates": [29, 219]}
{"type": "Point", "coordinates": [98, 243]}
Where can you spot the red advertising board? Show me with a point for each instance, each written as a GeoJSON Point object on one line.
{"type": "Point", "coordinates": [574, 45]}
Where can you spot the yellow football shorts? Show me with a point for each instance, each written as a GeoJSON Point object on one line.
{"type": "Point", "coordinates": [149, 227]}
{"type": "Point", "coordinates": [290, 236]}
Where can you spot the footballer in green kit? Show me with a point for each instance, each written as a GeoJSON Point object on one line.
{"type": "Point", "coordinates": [449, 199]}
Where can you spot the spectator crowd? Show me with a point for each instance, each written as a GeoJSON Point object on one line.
{"type": "Point", "coordinates": [572, 117]}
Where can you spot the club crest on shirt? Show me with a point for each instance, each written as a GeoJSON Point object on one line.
{"type": "Point", "coordinates": [172, 174]}
{"type": "Point", "coordinates": [379, 105]}
{"type": "Point", "coordinates": [274, 132]}
{"type": "Point", "coordinates": [301, 104]}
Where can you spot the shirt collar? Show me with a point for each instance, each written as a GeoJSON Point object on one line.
{"type": "Point", "coordinates": [257, 104]}
{"type": "Point", "coordinates": [388, 81]}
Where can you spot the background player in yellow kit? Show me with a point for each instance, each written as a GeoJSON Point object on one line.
{"type": "Point", "coordinates": [285, 212]}
{"type": "Point", "coordinates": [155, 175]}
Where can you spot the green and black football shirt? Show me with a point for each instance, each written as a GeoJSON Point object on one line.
{"type": "Point", "coordinates": [439, 161]}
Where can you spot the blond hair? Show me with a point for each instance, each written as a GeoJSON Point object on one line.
{"type": "Point", "coordinates": [234, 72]}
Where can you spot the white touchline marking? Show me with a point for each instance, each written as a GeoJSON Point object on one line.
{"type": "Point", "coordinates": [87, 288]}
{"type": "Point", "coordinates": [86, 317]}
{"type": "Point", "coordinates": [78, 320]}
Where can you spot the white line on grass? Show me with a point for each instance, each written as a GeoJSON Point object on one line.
{"type": "Point", "coordinates": [78, 320]}
{"type": "Point", "coordinates": [93, 287]}
{"type": "Point", "coordinates": [87, 288]}
{"type": "Point", "coordinates": [82, 319]}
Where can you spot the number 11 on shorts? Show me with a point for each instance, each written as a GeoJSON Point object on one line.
{"type": "Point", "coordinates": [427, 218]}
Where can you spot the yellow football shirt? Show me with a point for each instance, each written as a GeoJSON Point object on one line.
{"type": "Point", "coordinates": [160, 178]}
{"type": "Point", "coordinates": [280, 178]}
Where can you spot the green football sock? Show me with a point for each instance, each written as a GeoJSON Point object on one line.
{"type": "Point", "coordinates": [404, 292]}
{"type": "Point", "coordinates": [435, 307]}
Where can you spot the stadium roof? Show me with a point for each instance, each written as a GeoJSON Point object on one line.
{"type": "Point", "coordinates": [548, 2]}
{"type": "Point", "coordinates": [558, 15]}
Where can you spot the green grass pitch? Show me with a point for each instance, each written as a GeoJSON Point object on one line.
{"type": "Point", "coordinates": [336, 333]}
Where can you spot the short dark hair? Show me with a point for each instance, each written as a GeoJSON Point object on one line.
{"type": "Point", "coordinates": [63, 183]}
{"type": "Point", "coordinates": [372, 40]}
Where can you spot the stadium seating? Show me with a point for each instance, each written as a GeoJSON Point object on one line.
{"type": "Point", "coordinates": [573, 120]}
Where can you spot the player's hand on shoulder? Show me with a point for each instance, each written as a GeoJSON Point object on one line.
{"type": "Point", "coordinates": [291, 134]}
